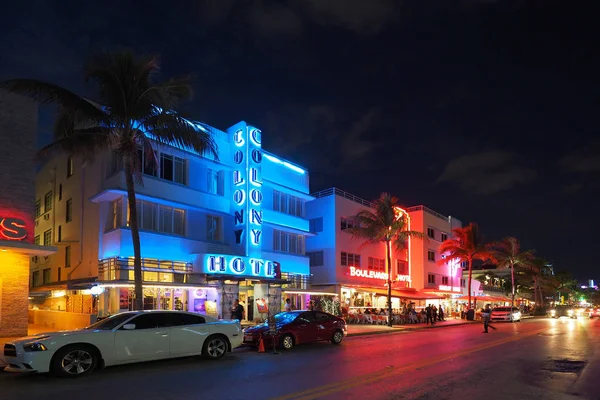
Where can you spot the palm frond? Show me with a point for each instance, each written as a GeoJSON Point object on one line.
{"type": "Point", "coordinates": [86, 142]}
{"type": "Point", "coordinates": [169, 94]}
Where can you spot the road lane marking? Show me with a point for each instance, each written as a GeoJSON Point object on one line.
{"type": "Point", "coordinates": [328, 389]}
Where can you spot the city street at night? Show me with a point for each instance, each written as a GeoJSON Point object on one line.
{"type": "Point", "coordinates": [536, 359]}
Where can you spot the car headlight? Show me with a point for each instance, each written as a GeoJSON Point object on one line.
{"type": "Point", "coordinates": [570, 312]}
{"type": "Point", "coordinates": [552, 312]}
{"type": "Point", "coordinates": [36, 346]}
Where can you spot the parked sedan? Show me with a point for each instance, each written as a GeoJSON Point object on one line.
{"type": "Point", "coordinates": [121, 339]}
{"type": "Point", "coordinates": [298, 327]}
{"type": "Point", "coordinates": [510, 314]}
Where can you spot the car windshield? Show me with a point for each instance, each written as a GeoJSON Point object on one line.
{"type": "Point", "coordinates": [111, 322]}
{"type": "Point", "coordinates": [286, 317]}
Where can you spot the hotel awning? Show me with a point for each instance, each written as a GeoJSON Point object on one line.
{"type": "Point", "coordinates": [411, 294]}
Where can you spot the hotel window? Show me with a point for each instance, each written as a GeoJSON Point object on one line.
{"type": "Point", "coordinates": [431, 279]}
{"type": "Point", "coordinates": [316, 225]}
{"type": "Point", "coordinates": [147, 163]}
{"type": "Point", "coordinates": [48, 202]}
{"type": "Point", "coordinates": [350, 259]}
{"type": "Point", "coordinates": [444, 237]}
{"type": "Point", "coordinates": [157, 218]}
{"type": "Point", "coordinates": [59, 233]}
{"type": "Point", "coordinates": [463, 283]}
{"type": "Point", "coordinates": [38, 208]}
{"type": "Point", "coordinates": [431, 233]}
{"type": "Point", "coordinates": [288, 242]}
{"type": "Point", "coordinates": [215, 182]}
{"type": "Point", "coordinates": [346, 223]}
{"type": "Point", "coordinates": [445, 280]}
{"type": "Point", "coordinates": [172, 168]}
{"type": "Point", "coordinates": [315, 258]}
{"type": "Point", "coordinates": [213, 228]}
{"type": "Point", "coordinates": [59, 274]}
{"type": "Point", "coordinates": [47, 277]}
{"type": "Point", "coordinates": [48, 237]}
{"type": "Point", "coordinates": [288, 204]}
{"type": "Point", "coordinates": [35, 278]}
{"type": "Point", "coordinates": [431, 255]}
{"type": "Point", "coordinates": [60, 192]}
{"type": "Point", "coordinates": [36, 240]}
{"type": "Point", "coordinates": [69, 210]}
{"type": "Point", "coordinates": [115, 214]}
{"type": "Point", "coordinates": [67, 256]}
{"type": "Point", "coordinates": [376, 264]}
{"type": "Point", "coordinates": [401, 267]}
{"type": "Point", "coordinates": [69, 166]}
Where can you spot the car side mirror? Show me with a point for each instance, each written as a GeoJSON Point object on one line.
{"type": "Point", "coordinates": [129, 327]}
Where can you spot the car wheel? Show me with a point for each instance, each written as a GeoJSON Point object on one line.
{"type": "Point", "coordinates": [215, 347]}
{"type": "Point", "coordinates": [337, 337]}
{"type": "Point", "coordinates": [74, 361]}
{"type": "Point", "coordinates": [287, 342]}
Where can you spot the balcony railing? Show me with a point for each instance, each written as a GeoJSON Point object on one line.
{"type": "Point", "coordinates": [427, 210]}
{"type": "Point", "coordinates": [341, 193]}
{"type": "Point", "coordinates": [159, 271]}
{"type": "Point", "coordinates": [296, 281]}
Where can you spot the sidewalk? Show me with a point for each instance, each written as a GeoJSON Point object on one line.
{"type": "Point", "coordinates": [361, 330]}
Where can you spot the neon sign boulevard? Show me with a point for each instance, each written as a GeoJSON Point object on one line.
{"type": "Point", "coordinates": [363, 273]}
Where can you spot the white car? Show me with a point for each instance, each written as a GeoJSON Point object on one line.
{"type": "Point", "coordinates": [511, 314]}
{"type": "Point", "coordinates": [124, 338]}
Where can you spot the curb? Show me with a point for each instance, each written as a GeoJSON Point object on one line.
{"type": "Point", "coordinates": [400, 329]}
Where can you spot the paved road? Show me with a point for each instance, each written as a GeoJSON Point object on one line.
{"type": "Point", "coordinates": [536, 359]}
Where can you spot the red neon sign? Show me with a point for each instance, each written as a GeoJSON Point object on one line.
{"type": "Point", "coordinates": [12, 229]}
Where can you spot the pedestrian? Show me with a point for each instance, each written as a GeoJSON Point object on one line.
{"type": "Point", "coordinates": [441, 313]}
{"type": "Point", "coordinates": [434, 313]}
{"type": "Point", "coordinates": [428, 314]}
{"type": "Point", "coordinates": [237, 311]}
{"type": "Point", "coordinates": [288, 305]}
{"type": "Point", "coordinates": [485, 316]}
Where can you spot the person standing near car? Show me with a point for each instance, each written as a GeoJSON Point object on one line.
{"type": "Point", "coordinates": [485, 316]}
{"type": "Point", "coordinates": [288, 305]}
{"type": "Point", "coordinates": [237, 312]}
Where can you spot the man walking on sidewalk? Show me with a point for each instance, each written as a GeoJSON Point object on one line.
{"type": "Point", "coordinates": [485, 316]}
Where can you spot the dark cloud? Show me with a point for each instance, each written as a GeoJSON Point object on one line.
{"type": "Point", "coordinates": [584, 159]}
{"type": "Point", "coordinates": [356, 15]}
{"type": "Point", "coordinates": [488, 172]}
{"type": "Point", "coordinates": [573, 188]}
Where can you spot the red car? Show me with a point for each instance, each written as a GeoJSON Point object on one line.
{"type": "Point", "coordinates": [298, 327]}
{"type": "Point", "coordinates": [594, 312]}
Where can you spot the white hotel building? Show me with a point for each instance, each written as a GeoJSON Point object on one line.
{"type": "Point", "coordinates": [212, 230]}
{"type": "Point", "coordinates": [342, 267]}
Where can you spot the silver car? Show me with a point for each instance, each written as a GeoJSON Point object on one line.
{"type": "Point", "coordinates": [510, 314]}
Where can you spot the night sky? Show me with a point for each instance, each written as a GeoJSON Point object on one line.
{"type": "Point", "coordinates": [485, 110]}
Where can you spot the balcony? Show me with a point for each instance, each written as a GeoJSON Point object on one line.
{"type": "Point", "coordinates": [341, 193]}
{"type": "Point", "coordinates": [296, 281]}
{"type": "Point", "coordinates": [120, 269]}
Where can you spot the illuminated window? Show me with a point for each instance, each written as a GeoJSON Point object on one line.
{"type": "Point", "coordinates": [288, 204]}
{"type": "Point", "coordinates": [158, 218]}
{"type": "Point", "coordinates": [431, 255]}
{"type": "Point", "coordinates": [346, 223]}
{"type": "Point", "coordinates": [148, 162]}
{"type": "Point", "coordinates": [431, 279]}
{"type": "Point", "coordinates": [48, 237]}
{"type": "Point", "coordinates": [172, 168]}
{"type": "Point", "coordinates": [350, 259]}
{"type": "Point", "coordinates": [445, 280]}
{"type": "Point", "coordinates": [315, 258]}
{"type": "Point", "coordinates": [316, 225]}
{"type": "Point", "coordinates": [444, 237]}
{"type": "Point", "coordinates": [38, 208]}
{"type": "Point", "coordinates": [35, 278]}
{"type": "Point", "coordinates": [69, 166]}
{"type": "Point", "coordinates": [47, 275]}
{"type": "Point", "coordinates": [213, 228]}
{"type": "Point", "coordinates": [215, 182]}
{"type": "Point", "coordinates": [431, 233]}
{"type": "Point", "coordinates": [36, 240]}
{"type": "Point", "coordinates": [376, 264]}
{"type": "Point", "coordinates": [67, 256]}
{"type": "Point", "coordinates": [401, 267]}
{"type": "Point", "coordinates": [69, 210]}
{"type": "Point", "coordinates": [115, 214]}
{"type": "Point", "coordinates": [288, 242]}
{"type": "Point", "coordinates": [48, 202]}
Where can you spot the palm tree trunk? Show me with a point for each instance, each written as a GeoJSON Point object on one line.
{"type": "Point", "coordinates": [470, 275]}
{"type": "Point", "coordinates": [388, 251]}
{"type": "Point", "coordinates": [135, 238]}
{"type": "Point", "coordinates": [512, 278]}
{"type": "Point", "coordinates": [535, 290]}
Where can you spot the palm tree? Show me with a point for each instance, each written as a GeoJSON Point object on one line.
{"type": "Point", "coordinates": [466, 246]}
{"type": "Point", "coordinates": [386, 223]}
{"type": "Point", "coordinates": [130, 109]}
{"type": "Point", "coordinates": [507, 254]}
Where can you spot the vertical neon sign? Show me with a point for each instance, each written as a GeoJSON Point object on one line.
{"type": "Point", "coordinates": [247, 188]}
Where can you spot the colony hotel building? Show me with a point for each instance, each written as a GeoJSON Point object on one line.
{"type": "Point", "coordinates": [212, 230]}
{"type": "Point", "coordinates": [342, 267]}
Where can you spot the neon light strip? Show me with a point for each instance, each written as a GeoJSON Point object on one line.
{"type": "Point", "coordinates": [284, 163]}
{"type": "Point", "coordinates": [310, 293]}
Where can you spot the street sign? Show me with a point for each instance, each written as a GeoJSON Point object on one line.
{"type": "Point", "coordinates": [272, 326]}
